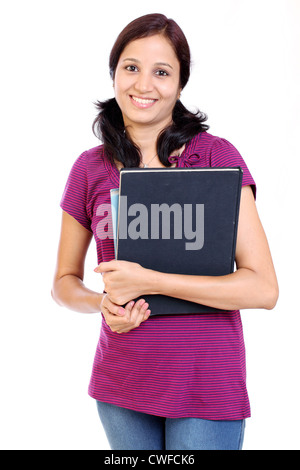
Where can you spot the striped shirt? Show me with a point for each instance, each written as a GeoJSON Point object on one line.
{"type": "Point", "coordinates": [173, 366]}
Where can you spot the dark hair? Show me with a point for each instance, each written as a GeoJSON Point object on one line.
{"type": "Point", "coordinates": [149, 25]}
{"type": "Point", "coordinates": [109, 124]}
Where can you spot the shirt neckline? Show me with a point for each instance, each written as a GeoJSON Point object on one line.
{"type": "Point", "coordinates": [115, 173]}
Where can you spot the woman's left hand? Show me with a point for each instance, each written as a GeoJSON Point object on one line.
{"type": "Point", "coordinates": [123, 280]}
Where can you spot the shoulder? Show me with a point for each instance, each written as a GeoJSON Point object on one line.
{"type": "Point", "coordinates": [91, 160]}
{"type": "Point", "coordinates": [90, 168]}
{"type": "Point", "coordinates": [94, 155]}
{"type": "Point", "coordinates": [88, 156]}
{"type": "Point", "coordinates": [224, 153]}
{"type": "Point", "coordinates": [207, 150]}
{"type": "Point", "coordinates": [206, 141]}
{"type": "Point", "coordinates": [210, 150]}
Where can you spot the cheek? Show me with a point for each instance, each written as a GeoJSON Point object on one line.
{"type": "Point", "coordinates": [118, 88]}
{"type": "Point", "coordinates": [121, 82]}
{"type": "Point", "coordinates": [170, 90]}
{"type": "Point", "coordinates": [170, 95]}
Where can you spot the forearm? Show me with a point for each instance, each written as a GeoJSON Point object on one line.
{"type": "Point", "coordinates": [252, 285]}
{"type": "Point", "coordinates": [242, 289]}
{"type": "Point", "coordinates": [69, 291]}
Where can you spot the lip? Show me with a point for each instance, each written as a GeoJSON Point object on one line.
{"type": "Point", "coordinates": [142, 103]}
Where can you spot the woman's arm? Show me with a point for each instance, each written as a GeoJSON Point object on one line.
{"type": "Point", "coordinates": [252, 285]}
{"type": "Point", "coordinates": [69, 290]}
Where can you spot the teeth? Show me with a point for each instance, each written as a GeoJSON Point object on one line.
{"type": "Point", "coordinates": [143, 101]}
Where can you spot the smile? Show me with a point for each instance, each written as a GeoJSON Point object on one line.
{"type": "Point", "coordinates": [142, 102]}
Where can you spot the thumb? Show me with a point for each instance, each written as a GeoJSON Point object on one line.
{"type": "Point", "coordinates": [105, 266]}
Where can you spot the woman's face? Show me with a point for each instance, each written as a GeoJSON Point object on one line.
{"type": "Point", "coordinates": [147, 82]}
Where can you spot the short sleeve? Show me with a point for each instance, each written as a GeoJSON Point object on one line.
{"type": "Point", "coordinates": [74, 198]}
{"type": "Point", "coordinates": [223, 153]}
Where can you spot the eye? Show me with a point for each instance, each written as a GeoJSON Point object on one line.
{"type": "Point", "coordinates": [161, 73]}
{"type": "Point", "coordinates": [131, 68]}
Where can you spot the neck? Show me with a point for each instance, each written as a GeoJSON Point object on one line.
{"type": "Point", "coordinates": [145, 137]}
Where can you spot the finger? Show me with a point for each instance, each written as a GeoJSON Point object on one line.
{"type": "Point", "coordinates": [130, 305]}
{"type": "Point", "coordinates": [113, 308]}
{"type": "Point", "coordinates": [121, 329]}
{"type": "Point", "coordinates": [106, 266]}
{"type": "Point", "coordinates": [133, 318]}
{"type": "Point", "coordinates": [138, 311]}
{"type": "Point", "coordinates": [147, 314]}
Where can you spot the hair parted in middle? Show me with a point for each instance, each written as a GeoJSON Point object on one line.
{"type": "Point", "coordinates": [109, 125]}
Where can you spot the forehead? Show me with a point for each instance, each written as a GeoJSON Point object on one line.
{"type": "Point", "coordinates": [153, 48]}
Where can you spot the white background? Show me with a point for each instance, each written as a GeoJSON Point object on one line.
{"type": "Point", "coordinates": [54, 66]}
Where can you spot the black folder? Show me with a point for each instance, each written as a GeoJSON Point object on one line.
{"type": "Point", "coordinates": [179, 220]}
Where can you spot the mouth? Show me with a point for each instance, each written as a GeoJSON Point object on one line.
{"type": "Point", "coordinates": [142, 102]}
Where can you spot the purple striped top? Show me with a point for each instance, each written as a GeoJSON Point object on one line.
{"type": "Point", "coordinates": [172, 366]}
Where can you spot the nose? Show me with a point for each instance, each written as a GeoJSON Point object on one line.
{"type": "Point", "coordinates": [144, 82]}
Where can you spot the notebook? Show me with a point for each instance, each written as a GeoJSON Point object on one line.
{"type": "Point", "coordinates": [178, 220]}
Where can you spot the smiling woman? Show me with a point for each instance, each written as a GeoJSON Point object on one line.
{"type": "Point", "coordinates": [145, 92]}
{"type": "Point", "coordinates": [149, 65]}
{"type": "Point", "coordinates": [167, 381]}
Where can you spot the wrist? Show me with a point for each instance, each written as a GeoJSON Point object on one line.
{"type": "Point", "coordinates": [99, 299]}
{"type": "Point", "coordinates": [153, 282]}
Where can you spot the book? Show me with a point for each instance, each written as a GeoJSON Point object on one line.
{"type": "Point", "coordinates": [178, 220]}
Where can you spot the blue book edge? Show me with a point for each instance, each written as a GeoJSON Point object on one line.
{"type": "Point", "coordinates": [114, 201]}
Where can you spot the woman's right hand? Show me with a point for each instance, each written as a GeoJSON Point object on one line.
{"type": "Point", "coordinates": [123, 320]}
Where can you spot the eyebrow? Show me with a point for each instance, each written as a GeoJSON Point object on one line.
{"type": "Point", "coordinates": [132, 59]}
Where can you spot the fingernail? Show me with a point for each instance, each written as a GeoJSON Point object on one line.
{"type": "Point", "coordinates": [121, 311]}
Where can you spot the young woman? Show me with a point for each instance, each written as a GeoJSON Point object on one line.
{"type": "Point", "coordinates": [162, 382]}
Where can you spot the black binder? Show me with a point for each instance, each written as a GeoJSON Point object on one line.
{"type": "Point", "coordinates": [179, 220]}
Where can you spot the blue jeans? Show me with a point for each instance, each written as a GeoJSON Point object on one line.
{"type": "Point", "coordinates": [131, 430]}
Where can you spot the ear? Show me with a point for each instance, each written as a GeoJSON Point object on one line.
{"type": "Point", "coordinates": [179, 94]}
